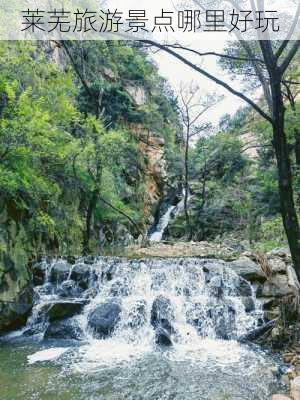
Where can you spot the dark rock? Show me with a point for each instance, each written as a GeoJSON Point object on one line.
{"type": "Point", "coordinates": [109, 271]}
{"type": "Point", "coordinates": [90, 260]}
{"type": "Point", "coordinates": [14, 313]}
{"type": "Point", "coordinates": [69, 288]}
{"type": "Point", "coordinates": [161, 311]}
{"type": "Point", "coordinates": [104, 319]}
{"type": "Point", "coordinates": [63, 309]}
{"type": "Point", "coordinates": [256, 333]}
{"type": "Point", "coordinates": [81, 273]}
{"type": "Point", "coordinates": [60, 271]}
{"type": "Point", "coordinates": [247, 269]}
{"type": "Point", "coordinates": [66, 329]}
{"type": "Point", "coordinates": [161, 316]}
{"type": "Point", "coordinates": [163, 336]}
{"type": "Point", "coordinates": [34, 330]}
{"type": "Point", "coordinates": [243, 288]}
{"type": "Point", "coordinates": [248, 304]}
{"type": "Point", "coordinates": [39, 273]}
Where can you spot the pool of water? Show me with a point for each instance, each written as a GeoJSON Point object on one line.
{"type": "Point", "coordinates": [115, 370]}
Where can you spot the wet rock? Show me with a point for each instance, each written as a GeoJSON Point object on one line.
{"type": "Point", "coordinates": [163, 335]}
{"type": "Point", "coordinates": [60, 271]}
{"type": "Point", "coordinates": [104, 319]}
{"type": "Point", "coordinates": [39, 273]}
{"type": "Point", "coordinates": [161, 311]}
{"type": "Point", "coordinates": [256, 333]}
{"type": "Point", "coordinates": [90, 260]}
{"type": "Point", "coordinates": [247, 269]}
{"type": "Point", "coordinates": [66, 329]}
{"type": "Point", "coordinates": [81, 273]}
{"type": "Point", "coordinates": [63, 309]}
{"type": "Point", "coordinates": [34, 330]}
{"type": "Point", "coordinates": [243, 288]}
{"type": "Point", "coordinates": [162, 314]}
{"type": "Point", "coordinates": [109, 271]}
{"type": "Point", "coordinates": [69, 288]}
{"type": "Point", "coordinates": [248, 304]}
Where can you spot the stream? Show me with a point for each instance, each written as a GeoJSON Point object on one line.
{"type": "Point", "coordinates": [111, 328]}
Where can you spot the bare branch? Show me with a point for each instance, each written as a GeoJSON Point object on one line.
{"type": "Point", "coordinates": [284, 66]}
{"type": "Point", "coordinates": [213, 78]}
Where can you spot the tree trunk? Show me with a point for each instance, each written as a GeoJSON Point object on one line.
{"type": "Point", "coordinates": [288, 210]}
{"type": "Point", "coordinates": [186, 187]}
{"type": "Point", "coordinates": [88, 223]}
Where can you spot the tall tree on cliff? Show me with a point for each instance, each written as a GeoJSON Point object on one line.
{"type": "Point", "coordinates": [270, 61]}
{"type": "Point", "coordinates": [192, 109]}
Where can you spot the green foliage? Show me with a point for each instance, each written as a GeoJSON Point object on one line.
{"type": "Point", "coordinates": [60, 158]}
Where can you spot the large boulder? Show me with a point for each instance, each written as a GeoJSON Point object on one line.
{"type": "Point", "coordinates": [276, 286]}
{"type": "Point", "coordinates": [63, 309]}
{"type": "Point", "coordinates": [66, 329]}
{"type": "Point", "coordinates": [104, 318]}
{"type": "Point", "coordinates": [82, 273]}
{"type": "Point", "coordinates": [162, 314]}
{"type": "Point", "coordinates": [60, 271]}
{"type": "Point", "coordinates": [247, 269]}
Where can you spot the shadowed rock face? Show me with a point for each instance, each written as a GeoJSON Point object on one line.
{"type": "Point", "coordinates": [16, 290]}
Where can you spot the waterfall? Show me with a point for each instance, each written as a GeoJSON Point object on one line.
{"type": "Point", "coordinates": [164, 220]}
{"type": "Point", "coordinates": [168, 301]}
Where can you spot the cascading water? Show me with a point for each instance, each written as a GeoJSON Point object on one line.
{"type": "Point", "coordinates": [164, 220]}
{"type": "Point", "coordinates": [151, 329]}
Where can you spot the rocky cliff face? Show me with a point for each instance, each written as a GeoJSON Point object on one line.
{"type": "Point", "coordinates": [152, 147]}
{"type": "Point", "coordinates": [15, 279]}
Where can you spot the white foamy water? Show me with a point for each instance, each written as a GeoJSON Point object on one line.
{"type": "Point", "coordinates": [47, 355]}
{"type": "Point", "coordinates": [205, 313]}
